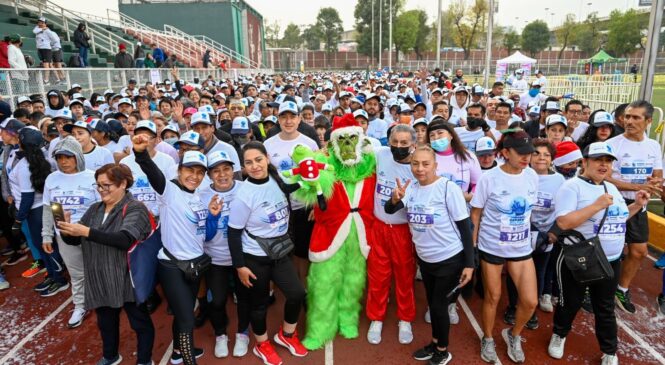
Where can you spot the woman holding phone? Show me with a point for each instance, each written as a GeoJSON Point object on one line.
{"type": "Point", "coordinates": [441, 231]}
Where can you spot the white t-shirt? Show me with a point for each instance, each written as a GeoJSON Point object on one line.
{"type": "Point", "coordinates": [169, 150]}
{"type": "Point", "coordinates": [19, 182]}
{"type": "Point", "coordinates": [432, 211]}
{"type": "Point", "coordinates": [98, 157]}
{"type": "Point", "coordinates": [279, 151]}
{"type": "Point", "coordinates": [542, 215]}
{"type": "Point", "coordinates": [182, 218]}
{"type": "Point", "coordinates": [374, 142]}
{"type": "Point", "coordinates": [113, 147]}
{"type": "Point", "coordinates": [233, 154]}
{"type": "Point", "coordinates": [577, 194]}
{"type": "Point", "coordinates": [75, 192]}
{"type": "Point", "coordinates": [141, 190]}
{"type": "Point", "coordinates": [218, 247]}
{"type": "Point", "coordinates": [579, 131]}
{"type": "Point", "coordinates": [124, 142]}
{"type": "Point", "coordinates": [635, 161]}
{"type": "Point", "coordinates": [261, 209]}
{"type": "Point", "coordinates": [507, 201]}
{"type": "Point", "coordinates": [377, 128]}
{"type": "Point", "coordinates": [525, 99]}
{"type": "Point", "coordinates": [469, 138]}
{"type": "Point", "coordinates": [387, 170]}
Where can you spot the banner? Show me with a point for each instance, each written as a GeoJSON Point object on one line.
{"type": "Point", "coordinates": [501, 71]}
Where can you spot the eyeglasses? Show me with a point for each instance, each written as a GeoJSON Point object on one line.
{"type": "Point", "coordinates": [102, 187]}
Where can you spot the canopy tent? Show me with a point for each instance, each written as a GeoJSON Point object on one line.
{"type": "Point", "coordinates": [515, 58]}
{"type": "Point", "coordinates": [601, 58]}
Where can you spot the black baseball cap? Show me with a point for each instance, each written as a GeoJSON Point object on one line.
{"type": "Point", "coordinates": [523, 145]}
{"type": "Point", "coordinates": [12, 125]}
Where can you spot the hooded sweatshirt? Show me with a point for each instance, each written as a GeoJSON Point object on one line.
{"type": "Point", "coordinates": [52, 110]}
{"type": "Point", "coordinates": [75, 192]}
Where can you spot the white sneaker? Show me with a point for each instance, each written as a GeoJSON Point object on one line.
{"type": "Point", "coordinates": [405, 334]}
{"type": "Point", "coordinates": [452, 313]}
{"type": "Point", "coordinates": [77, 317]}
{"type": "Point", "coordinates": [221, 346]}
{"type": "Point", "coordinates": [241, 346]}
{"type": "Point", "coordinates": [428, 316]}
{"type": "Point", "coordinates": [556, 346]}
{"type": "Point", "coordinates": [374, 333]}
{"type": "Point", "coordinates": [546, 303]}
{"type": "Point", "coordinates": [609, 360]}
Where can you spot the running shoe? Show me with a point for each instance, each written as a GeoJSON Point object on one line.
{"type": "Point", "coordinates": [556, 346]}
{"type": "Point", "coordinates": [532, 323]}
{"type": "Point", "coordinates": [514, 344]}
{"type": "Point", "coordinates": [425, 353]}
{"type": "Point", "coordinates": [43, 285]}
{"type": "Point", "coordinates": [221, 346]}
{"type": "Point", "coordinates": [488, 350]}
{"type": "Point", "coordinates": [78, 315]}
{"type": "Point", "coordinates": [545, 303]}
{"type": "Point", "coordinates": [660, 263]}
{"type": "Point", "coordinates": [15, 258]}
{"type": "Point", "coordinates": [291, 343]}
{"type": "Point", "coordinates": [241, 346]}
{"type": "Point", "coordinates": [266, 352]}
{"type": "Point", "coordinates": [609, 360]}
{"type": "Point", "coordinates": [54, 289]}
{"type": "Point", "coordinates": [509, 316]}
{"type": "Point", "coordinates": [405, 334]}
{"type": "Point", "coordinates": [440, 358]}
{"type": "Point", "coordinates": [176, 357]}
{"type": "Point", "coordinates": [660, 301]}
{"type": "Point", "coordinates": [428, 316]}
{"type": "Point", "coordinates": [6, 251]}
{"type": "Point", "coordinates": [452, 313]}
{"type": "Point", "coordinates": [34, 269]}
{"type": "Point", "coordinates": [4, 284]}
{"type": "Point", "coordinates": [374, 332]}
{"type": "Point", "coordinates": [115, 361]}
{"type": "Point", "coordinates": [623, 301]}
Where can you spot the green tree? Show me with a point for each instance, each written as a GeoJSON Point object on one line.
{"type": "Point", "coordinates": [624, 32]}
{"type": "Point", "coordinates": [291, 38]}
{"type": "Point", "coordinates": [422, 34]}
{"type": "Point", "coordinates": [312, 37]}
{"type": "Point", "coordinates": [330, 24]}
{"type": "Point", "coordinates": [564, 34]}
{"type": "Point", "coordinates": [587, 34]}
{"type": "Point", "coordinates": [469, 23]}
{"type": "Point", "coordinates": [363, 16]}
{"type": "Point", "coordinates": [403, 35]}
{"type": "Point", "coordinates": [535, 37]}
{"type": "Point", "coordinates": [511, 40]}
{"type": "Point", "coordinates": [272, 34]}
{"type": "Point", "coordinates": [447, 29]}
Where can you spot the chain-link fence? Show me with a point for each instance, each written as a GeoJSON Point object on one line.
{"type": "Point", "coordinates": [15, 83]}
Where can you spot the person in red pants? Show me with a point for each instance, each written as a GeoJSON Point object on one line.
{"type": "Point", "coordinates": [392, 253]}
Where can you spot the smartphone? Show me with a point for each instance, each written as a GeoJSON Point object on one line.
{"type": "Point", "coordinates": [58, 212]}
{"type": "Point", "coordinates": [452, 292]}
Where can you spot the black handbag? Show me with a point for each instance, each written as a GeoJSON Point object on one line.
{"type": "Point", "coordinates": [194, 268]}
{"type": "Point", "coordinates": [275, 247]}
{"type": "Point", "coordinates": [585, 258]}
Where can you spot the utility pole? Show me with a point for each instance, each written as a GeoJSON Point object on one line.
{"type": "Point", "coordinates": [488, 46]}
{"type": "Point", "coordinates": [438, 37]}
{"type": "Point", "coordinates": [649, 60]}
{"type": "Point", "coordinates": [380, 31]}
{"type": "Point", "coordinates": [372, 33]}
{"type": "Point", "coordinates": [390, 37]}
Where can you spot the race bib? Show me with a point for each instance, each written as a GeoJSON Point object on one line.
{"type": "Point", "coordinates": [543, 202]}
{"type": "Point", "coordinates": [385, 189]}
{"type": "Point", "coordinates": [514, 231]}
{"type": "Point", "coordinates": [200, 213]}
{"type": "Point", "coordinates": [71, 200]}
{"type": "Point", "coordinates": [145, 197]}
{"type": "Point", "coordinates": [420, 218]}
{"type": "Point", "coordinates": [278, 215]}
{"type": "Point", "coordinates": [637, 171]}
{"type": "Point", "coordinates": [611, 230]}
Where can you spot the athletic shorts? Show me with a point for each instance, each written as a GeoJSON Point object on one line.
{"type": "Point", "coordinates": [496, 260]}
{"type": "Point", "coordinates": [301, 232]}
{"type": "Point", "coordinates": [45, 55]}
{"type": "Point", "coordinates": [57, 56]}
{"type": "Point", "coordinates": [637, 227]}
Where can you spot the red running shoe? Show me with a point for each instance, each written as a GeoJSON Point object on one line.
{"type": "Point", "coordinates": [291, 343]}
{"type": "Point", "coordinates": [266, 352]}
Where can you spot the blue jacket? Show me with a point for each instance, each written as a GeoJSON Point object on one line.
{"type": "Point", "coordinates": [158, 55]}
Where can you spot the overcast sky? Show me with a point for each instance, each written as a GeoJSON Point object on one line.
{"type": "Point", "coordinates": [516, 13]}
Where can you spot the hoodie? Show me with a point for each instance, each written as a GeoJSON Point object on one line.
{"type": "Point", "coordinates": [68, 144]}
{"type": "Point", "coordinates": [459, 110]}
{"type": "Point", "coordinates": [52, 110]}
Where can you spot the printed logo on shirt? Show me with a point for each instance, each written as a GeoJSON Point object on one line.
{"type": "Point", "coordinates": [197, 215]}
{"type": "Point", "coordinates": [142, 191]}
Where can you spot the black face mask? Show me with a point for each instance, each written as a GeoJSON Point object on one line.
{"type": "Point", "coordinates": [400, 153]}
{"type": "Point", "coordinates": [224, 121]}
{"type": "Point", "coordinates": [474, 123]}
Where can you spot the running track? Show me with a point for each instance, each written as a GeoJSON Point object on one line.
{"type": "Point", "coordinates": [33, 331]}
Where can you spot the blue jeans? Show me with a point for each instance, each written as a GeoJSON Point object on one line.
{"type": "Point", "coordinates": [53, 261]}
{"type": "Point", "coordinates": [83, 52]}
{"type": "Point", "coordinates": [139, 62]}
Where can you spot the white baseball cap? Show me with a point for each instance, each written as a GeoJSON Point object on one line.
{"type": "Point", "coordinates": [326, 107]}
{"type": "Point", "coordinates": [240, 125]}
{"type": "Point", "coordinates": [194, 158]}
{"type": "Point", "coordinates": [288, 106]}
{"type": "Point", "coordinates": [207, 109]}
{"type": "Point", "coordinates": [146, 124]}
{"type": "Point", "coordinates": [599, 149]}
{"type": "Point", "coordinates": [78, 124]}
{"type": "Point", "coordinates": [200, 117]}
{"type": "Point", "coordinates": [361, 113]}
{"type": "Point", "coordinates": [125, 101]}
{"type": "Point", "coordinates": [420, 121]}
{"type": "Point", "coordinates": [63, 113]}
{"type": "Point", "coordinates": [485, 146]}
{"type": "Point", "coordinates": [556, 119]}
{"type": "Point", "coordinates": [404, 108]}
{"type": "Point", "coordinates": [218, 157]}
{"type": "Point", "coordinates": [602, 118]}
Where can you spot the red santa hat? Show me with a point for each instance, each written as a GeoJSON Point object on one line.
{"type": "Point", "coordinates": [566, 152]}
{"type": "Point", "coordinates": [345, 124]}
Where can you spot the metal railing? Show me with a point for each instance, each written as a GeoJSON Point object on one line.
{"type": "Point", "coordinates": [15, 83]}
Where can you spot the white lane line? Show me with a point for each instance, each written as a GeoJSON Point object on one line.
{"type": "Point", "coordinates": [640, 341]}
{"type": "Point", "coordinates": [652, 258]}
{"type": "Point", "coordinates": [34, 331]}
{"type": "Point", "coordinates": [474, 322]}
{"type": "Point", "coordinates": [167, 355]}
{"type": "Point", "coordinates": [329, 353]}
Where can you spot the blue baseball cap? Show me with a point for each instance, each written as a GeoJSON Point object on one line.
{"type": "Point", "coordinates": [240, 126]}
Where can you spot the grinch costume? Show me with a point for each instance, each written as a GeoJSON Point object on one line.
{"type": "Point", "coordinates": [340, 241]}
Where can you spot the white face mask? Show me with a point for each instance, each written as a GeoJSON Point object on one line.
{"type": "Point", "coordinates": [171, 140]}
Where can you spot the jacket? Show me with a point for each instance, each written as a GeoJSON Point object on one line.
{"type": "Point", "coordinates": [4, 54]}
{"type": "Point", "coordinates": [138, 52]}
{"type": "Point", "coordinates": [17, 61]}
{"type": "Point", "coordinates": [148, 63]}
{"type": "Point", "coordinates": [43, 37]}
{"type": "Point", "coordinates": [158, 55]}
{"type": "Point", "coordinates": [123, 60]}
{"type": "Point", "coordinates": [81, 39]}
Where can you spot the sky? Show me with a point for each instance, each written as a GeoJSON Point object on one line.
{"type": "Point", "coordinates": [516, 13]}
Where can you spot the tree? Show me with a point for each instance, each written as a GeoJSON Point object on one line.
{"type": "Point", "coordinates": [624, 32]}
{"type": "Point", "coordinates": [330, 25]}
{"type": "Point", "coordinates": [587, 34]}
{"type": "Point", "coordinates": [564, 34]}
{"type": "Point", "coordinates": [469, 22]}
{"type": "Point", "coordinates": [535, 37]}
{"type": "Point", "coordinates": [511, 40]}
{"type": "Point", "coordinates": [403, 35]}
{"type": "Point", "coordinates": [447, 29]}
{"type": "Point", "coordinates": [291, 38]}
{"type": "Point", "coordinates": [272, 34]}
{"type": "Point", "coordinates": [312, 37]}
{"type": "Point", "coordinates": [363, 16]}
{"type": "Point", "coordinates": [422, 34]}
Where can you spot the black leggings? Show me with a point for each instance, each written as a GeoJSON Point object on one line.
{"type": "Point", "coordinates": [438, 283]}
{"type": "Point", "coordinates": [283, 273]}
{"type": "Point", "coordinates": [181, 295]}
{"type": "Point", "coordinates": [218, 279]}
{"type": "Point", "coordinates": [108, 321]}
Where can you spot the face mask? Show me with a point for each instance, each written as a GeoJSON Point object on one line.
{"type": "Point", "coordinates": [440, 145]}
{"type": "Point", "coordinates": [405, 119]}
{"type": "Point", "coordinates": [243, 140]}
{"type": "Point", "coordinates": [400, 153]}
{"type": "Point", "coordinates": [533, 92]}
{"type": "Point", "coordinates": [171, 140]}
{"type": "Point", "coordinates": [519, 77]}
{"type": "Point", "coordinates": [474, 123]}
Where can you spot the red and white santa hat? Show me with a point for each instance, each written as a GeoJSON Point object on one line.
{"type": "Point", "coordinates": [345, 124]}
{"type": "Point", "coordinates": [566, 152]}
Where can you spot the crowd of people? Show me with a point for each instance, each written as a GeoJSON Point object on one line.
{"type": "Point", "coordinates": [466, 183]}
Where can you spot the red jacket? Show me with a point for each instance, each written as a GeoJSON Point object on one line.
{"type": "Point", "coordinates": [333, 225]}
{"type": "Point", "coordinates": [4, 54]}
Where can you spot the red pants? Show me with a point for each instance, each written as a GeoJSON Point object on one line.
{"type": "Point", "coordinates": [392, 254]}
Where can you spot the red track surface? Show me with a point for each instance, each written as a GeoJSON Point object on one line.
{"type": "Point", "coordinates": [23, 310]}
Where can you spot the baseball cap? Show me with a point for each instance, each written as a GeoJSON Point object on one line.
{"type": "Point", "coordinates": [99, 125]}
{"type": "Point", "coordinates": [191, 138]}
{"type": "Point", "coordinates": [485, 146]}
{"type": "Point", "coordinates": [240, 125]}
{"type": "Point", "coordinates": [200, 117]}
{"type": "Point", "coordinates": [326, 107]}
{"type": "Point", "coordinates": [76, 86]}
{"type": "Point", "coordinates": [78, 124]}
{"type": "Point", "coordinates": [52, 93]}
{"type": "Point", "coordinates": [404, 108]}
{"type": "Point", "coordinates": [556, 119]}
{"type": "Point", "coordinates": [360, 113]}
{"type": "Point", "coordinates": [170, 128]}
{"type": "Point", "coordinates": [420, 121]}
{"type": "Point", "coordinates": [75, 101]}
{"type": "Point", "coordinates": [271, 119]}
{"type": "Point", "coordinates": [41, 19]}
{"type": "Point", "coordinates": [288, 106]}
{"type": "Point", "coordinates": [536, 82]}
{"type": "Point", "coordinates": [146, 124]}
{"type": "Point", "coordinates": [13, 126]}
{"type": "Point", "coordinates": [602, 118]}
{"type": "Point", "coordinates": [78, 96]}
{"type": "Point", "coordinates": [108, 92]}
{"type": "Point", "coordinates": [460, 89]}
{"type": "Point", "coordinates": [523, 146]}
{"type": "Point", "coordinates": [598, 149]}
{"type": "Point", "coordinates": [100, 99]}
{"type": "Point", "coordinates": [125, 101]}
{"type": "Point", "coordinates": [551, 105]}
{"type": "Point", "coordinates": [477, 90]}
{"type": "Point", "coordinates": [218, 157]}
{"type": "Point", "coordinates": [437, 90]}
{"type": "Point", "coordinates": [194, 158]}
{"type": "Point", "coordinates": [51, 130]}
{"type": "Point", "coordinates": [189, 111]}
{"type": "Point", "coordinates": [534, 111]}
{"type": "Point", "coordinates": [207, 109]}
{"type": "Point", "coordinates": [372, 96]}
{"type": "Point", "coordinates": [23, 99]}
{"type": "Point", "coordinates": [30, 135]}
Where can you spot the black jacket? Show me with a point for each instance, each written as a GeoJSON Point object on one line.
{"type": "Point", "coordinates": [81, 39]}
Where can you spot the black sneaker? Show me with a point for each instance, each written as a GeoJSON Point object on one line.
{"type": "Point", "coordinates": [623, 301]}
{"type": "Point", "coordinates": [6, 251]}
{"type": "Point", "coordinates": [660, 300]}
{"type": "Point", "coordinates": [586, 302]}
{"type": "Point", "coordinates": [15, 258]}
{"type": "Point", "coordinates": [425, 353]}
{"type": "Point", "coordinates": [43, 285]}
{"type": "Point", "coordinates": [532, 323]}
{"type": "Point", "coordinates": [440, 358]}
{"type": "Point", "coordinates": [509, 316]}
{"type": "Point", "coordinates": [114, 361]}
{"type": "Point", "coordinates": [54, 289]}
{"type": "Point", "coordinates": [176, 357]}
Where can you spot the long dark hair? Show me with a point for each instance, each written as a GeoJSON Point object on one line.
{"type": "Point", "coordinates": [272, 171]}
{"type": "Point", "coordinates": [38, 166]}
{"type": "Point", "coordinates": [458, 148]}
{"type": "Point", "coordinates": [591, 134]}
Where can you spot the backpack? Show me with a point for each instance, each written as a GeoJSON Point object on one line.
{"type": "Point", "coordinates": [75, 61]}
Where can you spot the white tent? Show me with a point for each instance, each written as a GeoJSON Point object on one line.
{"type": "Point", "coordinates": [523, 61]}
{"type": "Point", "coordinates": [517, 57]}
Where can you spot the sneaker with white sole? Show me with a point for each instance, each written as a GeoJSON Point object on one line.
{"type": "Point", "coordinates": [452, 313]}
{"type": "Point", "coordinates": [609, 360]}
{"type": "Point", "coordinates": [4, 284]}
{"type": "Point", "coordinates": [241, 346]}
{"type": "Point", "coordinates": [405, 334]}
{"type": "Point", "coordinates": [374, 332]}
{"type": "Point", "coordinates": [291, 343]}
{"type": "Point", "coordinates": [488, 350]}
{"type": "Point", "coordinates": [440, 358]}
{"type": "Point", "coordinates": [545, 303]}
{"type": "Point", "coordinates": [556, 346]}
{"type": "Point", "coordinates": [176, 357]}
{"type": "Point", "coordinates": [115, 361]}
{"type": "Point", "coordinates": [428, 316]}
{"type": "Point", "coordinates": [54, 289]}
{"type": "Point", "coordinates": [514, 344]}
{"type": "Point", "coordinates": [221, 346]}
{"type": "Point", "coordinates": [266, 352]}
{"type": "Point", "coordinates": [77, 317]}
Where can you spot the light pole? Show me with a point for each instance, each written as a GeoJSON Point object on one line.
{"type": "Point", "coordinates": [438, 37]}
{"type": "Point", "coordinates": [488, 53]}
{"type": "Point", "coordinates": [390, 37]}
{"type": "Point", "coordinates": [372, 33]}
{"type": "Point", "coordinates": [380, 31]}
{"type": "Point", "coordinates": [649, 60]}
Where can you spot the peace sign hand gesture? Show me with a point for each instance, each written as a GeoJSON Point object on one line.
{"type": "Point", "coordinates": [398, 192]}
